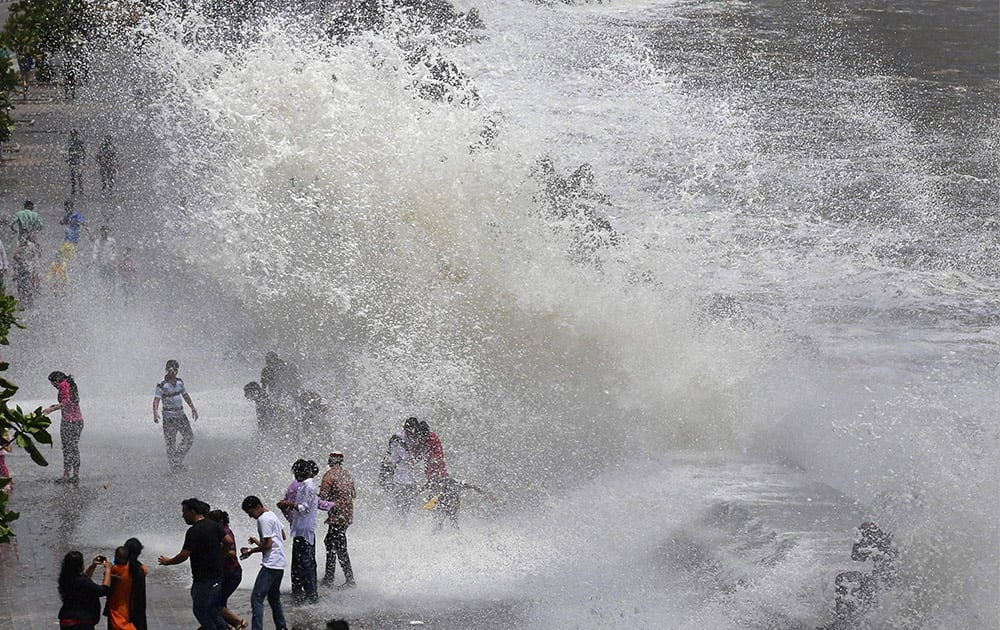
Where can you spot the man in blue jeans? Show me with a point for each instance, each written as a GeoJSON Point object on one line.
{"type": "Point", "coordinates": [269, 544]}
{"type": "Point", "coordinates": [203, 544]}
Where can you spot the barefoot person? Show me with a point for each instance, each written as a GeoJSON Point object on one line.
{"type": "Point", "coordinates": [172, 394]}
{"type": "Point", "coordinates": [71, 427]}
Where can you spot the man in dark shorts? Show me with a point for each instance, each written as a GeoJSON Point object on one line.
{"type": "Point", "coordinates": [203, 544]}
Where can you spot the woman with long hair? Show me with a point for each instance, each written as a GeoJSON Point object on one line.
{"type": "Point", "coordinates": [232, 572]}
{"type": "Point", "coordinates": [81, 598]}
{"type": "Point", "coordinates": [127, 602]}
{"type": "Point", "coordinates": [71, 426]}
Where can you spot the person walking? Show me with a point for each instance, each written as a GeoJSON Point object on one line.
{"type": "Point", "coordinates": [171, 393]}
{"type": "Point", "coordinates": [73, 221]}
{"type": "Point", "coordinates": [268, 543]}
{"type": "Point", "coordinates": [107, 162]}
{"type": "Point", "coordinates": [127, 602]}
{"type": "Point", "coordinates": [232, 572]}
{"type": "Point", "coordinates": [71, 426]}
{"type": "Point", "coordinates": [303, 509]}
{"type": "Point", "coordinates": [81, 598]}
{"type": "Point", "coordinates": [203, 544]}
{"type": "Point", "coordinates": [337, 487]}
{"type": "Point", "coordinates": [76, 155]}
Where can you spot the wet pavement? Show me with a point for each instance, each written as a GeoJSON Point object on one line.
{"type": "Point", "coordinates": [32, 167]}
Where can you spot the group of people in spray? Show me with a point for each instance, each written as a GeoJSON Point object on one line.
{"type": "Point", "coordinates": [116, 270]}
{"type": "Point", "coordinates": [857, 592]}
{"type": "Point", "coordinates": [413, 463]}
{"type": "Point", "coordinates": [211, 549]}
{"type": "Point", "coordinates": [27, 264]}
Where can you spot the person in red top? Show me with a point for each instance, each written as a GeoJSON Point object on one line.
{"type": "Point", "coordinates": [338, 489]}
{"type": "Point", "coordinates": [71, 426]}
{"type": "Point", "coordinates": [429, 450]}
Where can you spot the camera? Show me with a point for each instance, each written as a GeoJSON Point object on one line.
{"type": "Point", "coordinates": [101, 559]}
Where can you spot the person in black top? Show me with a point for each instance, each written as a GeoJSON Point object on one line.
{"type": "Point", "coordinates": [81, 598]}
{"type": "Point", "coordinates": [203, 544]}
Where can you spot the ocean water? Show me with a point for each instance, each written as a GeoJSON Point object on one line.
{"type": "Point", "coordinates": [791, 326]}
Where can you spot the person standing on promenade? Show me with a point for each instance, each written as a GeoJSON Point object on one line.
{"type": "Point", "coordinates": [27, 278]}
{"type": "Point", "coordinates": [203, 544]}
{"type": "Point", "coordinates": [71, 427]}
{"type": "Point", "coordinates": [303, 524]}
{"type": "Point", "coordinates": [127, 603]}
{"type": "Point", "coordinates": [107, 163]}
{"type": "Point", "coordinates": [337, 487]}
{"type": "Point", "coordinates": [268, 543]}
{"type": "Point", "coordinates": [73, 221]}
{"type": "Point", "coordinates": [26, 223]}
{"type": "Point", "coordinates": [173, 395]}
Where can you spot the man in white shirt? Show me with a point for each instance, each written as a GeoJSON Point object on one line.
{"type": "Point", "coordinates": [272, 565]}
{"type": "Point", "coordinates": [302, 510]}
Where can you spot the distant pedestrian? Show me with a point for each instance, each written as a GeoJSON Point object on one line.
{"type": "Point", "coordinates": [27, 223]}
{"type": "Point", "coordinates": [252, 391]}
{"type": "Point", "coordinates": [127, 274]}
{"type": "Point", "coordinates": [26, 65]}
{"type": "Point", "coordinates": [107, 163]}
{"type": "Point", "coordinates": [73, 222]}
{"type": "Point", "coordinates": [81, 598]}
{"type": "Point", "coordinates": [69, 79]}
{"type": "Point", "coordinates": [268, 543]}
{"type": "Point", "coordinates": [106, 259]}
{"type": "Point", "coordinates": [404, 479]}
{"type": "Point", "coordinates": [71, 427]}
{"type": "Point", "coordinates": [303, 509]}
{"type": "Point", "coordinates": [280, 384]}
{"type": "Point", "coordinates": [76, 157]}
{"type": "Point", "coordinates": [172, 394]}
{"type": "Point", "coordinates": [232, 572]}
{"type": "Point", "coordinates": [203, 544]}
{"type": "Point", "coordinates": [127, 602]}
{"type": "Point", "coordinates": [337, 487]}
{"type": "Point", "coordinates": [58, 275]}
{"type": "Point", "coordinates": [27, 278]}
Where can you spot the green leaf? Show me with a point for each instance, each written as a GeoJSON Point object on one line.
{"type": "Point", "coordinates": [36, 456]}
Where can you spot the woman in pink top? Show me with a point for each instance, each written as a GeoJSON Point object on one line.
{"type": "Point", "coordinates": [71, 426]}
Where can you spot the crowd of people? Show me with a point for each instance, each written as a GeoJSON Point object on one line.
{"type": "Point", "coordinates": [413, 464]}
{"type": "Point", "coordinates": [32, 272]}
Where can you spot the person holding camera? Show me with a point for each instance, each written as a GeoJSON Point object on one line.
{"type": "Point", "coordinates": [81, 598]}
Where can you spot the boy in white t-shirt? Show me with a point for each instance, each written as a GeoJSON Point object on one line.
{"type": "Point", "coordinates": [272, 564]}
